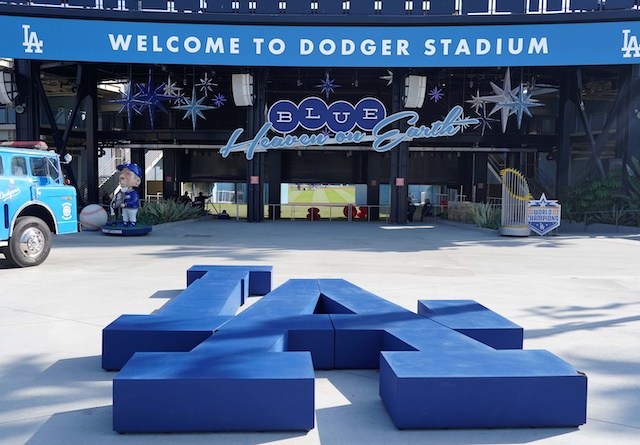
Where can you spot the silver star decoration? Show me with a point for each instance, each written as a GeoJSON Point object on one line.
{"type": "Point", "coordinates": [502, 98]}
{"type": "Point", "coordinates": [466, 121]}
{"type": "Point", "coordinates": [194, 107]}
{"type": "Point", "coordinates": [388, 77]}
{"type": "Point", "coordinates": [327, 86]}
{"type": "Point", "coordinates": [172, 89]}
{"type": "Point", "coordinates": [477, 102]}
{"type": "Point", "coordinates": [538, 90]}
{"type": "Point", "coordinates": [206, 84]}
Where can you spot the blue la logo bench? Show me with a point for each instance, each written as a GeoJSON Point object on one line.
{"type": "Point", "coordinates": [196, 366]}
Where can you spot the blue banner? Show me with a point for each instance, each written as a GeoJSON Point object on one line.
{"type": "Point", "coordinates": [335, 46]}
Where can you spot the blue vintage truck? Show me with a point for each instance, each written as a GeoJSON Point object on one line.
{"type": "Point", "coordinates": [35, 202]}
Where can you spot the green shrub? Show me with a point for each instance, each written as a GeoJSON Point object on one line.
{"type": "Point", "coordinates": [486, 215]}
{"type": "Point", "coordinates": [159, 212]}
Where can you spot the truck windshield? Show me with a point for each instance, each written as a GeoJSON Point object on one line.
{"type": "Point", "coordinates": [46, 169]}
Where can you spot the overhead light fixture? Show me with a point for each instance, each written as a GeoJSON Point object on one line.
{"type": "Point", "coordinates": [415, 90]}
{"type": "Point", "coordinates": [242, 89]}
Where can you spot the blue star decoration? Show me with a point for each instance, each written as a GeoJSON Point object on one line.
{"type": "Point", "coordinates": [484, 121]}
{"type": "Point", "coordinates": [436, 94]}
{"type": "Point", "coordinates": [219, 100]}
{"type": "Point", "coordinates": [129, 102]}
{"type": "Point", "coordinates": [521, 103]}
{"type": "Point", "coordinates": [510, 101]}
{"type": "Point", "coordinates": [327, 86]}
{"type": "Point", "coordinates": [193, 108]}
{"type": "Point", "coordinates": [152, 97]}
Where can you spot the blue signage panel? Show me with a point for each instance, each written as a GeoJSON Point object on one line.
{"type": "Point", "coordinates": [543, 215]}
{"type": "Point", "coordinates": [336, 46]}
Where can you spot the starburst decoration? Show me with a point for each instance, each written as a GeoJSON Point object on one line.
{"type": "Point", "coordinates": [466, 121]}
{"type": "Point", "coordinates": [502, 98]}
{"type": "Point", "coordinates": [388, 77]}
{"type": "Point", "coordinates": [477, 102]}
{"type": "Point", "coordinates": [436, 94]}
{"type": "Point", "coordinates": [219, 100]}
{"type": "Point", "coordinates": [326, 132]}
{"type": "Point", "coordinates": [206, 84]}
{"type": "Point", "coordinates": [327, 86]}
{"type": "Point", "coordinates": [129, 102]}
{"type": "Point", "coordinates": [152, 97]}
{"type": "Point", "coordinates": [172, 90]}
{"type": "Point", "coordinates": [484, 121]}
{"type": "Point", "coordinates": [179, 99]}
{"type": "Point", "coordinates": [521, 104]}
{"type": "Point", "coordinates": [193, 108]}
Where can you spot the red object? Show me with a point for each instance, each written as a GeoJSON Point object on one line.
{"type": "Point", "coordinates": [354, 211]}
{"type": "Point", "coordinates": [362, 214]}
{"type": "Point", "coordinates": [26, 144]}
{"type": "Point", "coordinates": [313, 213]}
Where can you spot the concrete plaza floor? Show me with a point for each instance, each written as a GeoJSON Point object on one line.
{"type": "Point", "coordinates": [576, 295]}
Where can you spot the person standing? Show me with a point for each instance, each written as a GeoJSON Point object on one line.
{"type": "Point", "coordinates": [411, 209]}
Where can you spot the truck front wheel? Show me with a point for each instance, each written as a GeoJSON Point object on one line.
{"type": "Point", "coordinates": [30, 242]}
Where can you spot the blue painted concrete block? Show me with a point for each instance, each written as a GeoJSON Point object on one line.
{"type": "Point", "coordinates": [481, 388]}
{"type": "Point", "coordinates": [180, 325]}
{"type": "Point", "coordinates": [474, 320]}
{"type": "Point", "coordinates": [259, 276]}
{"type": "Point", "coordinates": [254, 371]}
{"type": "Point", "coordinates": [197, 392]}
{"type": "Point", "coordinates": [242, 378]}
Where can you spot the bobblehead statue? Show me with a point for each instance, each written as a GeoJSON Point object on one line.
{"type": "Point", "coordinates": [127, 200]}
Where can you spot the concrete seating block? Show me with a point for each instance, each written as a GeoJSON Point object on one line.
{"type": "Point", "coordinates": [481, 388]}
{"type": "Point", "coordinates": [129, 334]}
{"type": "Point", "coordinates": [242, 378]}
{"type": "Point", "coordinates": [179, 325]}
{"type": "Point", "coordinates": [259, 276]}
{"type": "Point", "coordinates": [179, 392]}
{"type": "Point", "coordinates": [474, 320]}
{"type": "Point", "coordinates": [455, 364]}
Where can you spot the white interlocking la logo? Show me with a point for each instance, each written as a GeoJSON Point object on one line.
{"type": "Point", "coordinates": [31, 42]}
{"type": "Point", "coordinates": [630, 44]}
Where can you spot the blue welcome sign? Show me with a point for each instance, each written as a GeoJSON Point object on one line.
{"type": "Point", "coordinates": [342, 123]}
{"type": "Point", "coordinates": [337, 46]}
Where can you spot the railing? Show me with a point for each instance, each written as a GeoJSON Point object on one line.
{"type": "Point", "coordinates": [341, 7]}
{"type": "Point", "coordinates": [108, 169]}
{"type": "Point", "coordinates": [329, 212]}
{"type": "Point", "coordinates": [603, 220]}
{"type": "Point", "coordinates": [156, 197]}
{"type": "Point", "coordinates": [303, 212]}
